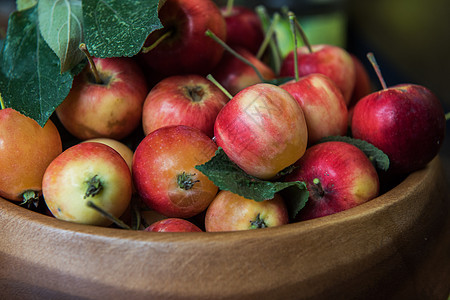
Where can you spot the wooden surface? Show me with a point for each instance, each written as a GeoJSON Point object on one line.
{"type": "Point", "coordinates": [396, 246]}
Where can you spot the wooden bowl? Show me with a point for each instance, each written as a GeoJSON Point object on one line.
{"type": "Point", "coordinates": [395, 246]}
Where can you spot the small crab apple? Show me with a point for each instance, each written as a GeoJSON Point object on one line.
{"type": "Point", "coordinates": [173, 225]}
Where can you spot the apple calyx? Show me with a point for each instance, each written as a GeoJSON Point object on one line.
{"type": "Point", "coordinates": [195, 93]}
{"type": "Point", "coordinates": [185, 181]}
{"type": "Point", "coordinates": [258, 223]}
{"type": "Point", "coordinates": [317, 189]}
{"type": "Point", "coordinates": [30, 197]}
{"type": "Point", "coordinates": [94, 187]}
{"type": "Point", "coordinates": [94, 70]}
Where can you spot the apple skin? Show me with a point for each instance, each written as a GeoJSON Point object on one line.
{"type": "Point", "coordinates": [112, 109]}
{"type": "Point", "coordinates": [331, 61]}
{"type": "Point", "coordinates": [323, 105]}
{"type": "Point", "coordinates": [173, 225]}
{"type": "Point", "coordinates": [65, 184]}
{"type": "Point", "coordinates": [26, 149]}
{"type": "Point", "coordinates": [188, 50]}
{"type": "Point", "coordinates": [189, 100]}
{"type": "Point", "coordinates": [235, 75]}
{"type": "Point", "coordinates": [159, 161]}
{"type": "Point", "coordinates": [231, 212]}
{"type": "Point", "coordinates": [262, 129]}
{"type": "Point", "coordinates": [121, 148]}
{"type": "Point", "coordinates": [406, 122]}
{"type": "Point", "coordinates": [346, 176]}
{"type": "Point", "coordinates": [244, 28]}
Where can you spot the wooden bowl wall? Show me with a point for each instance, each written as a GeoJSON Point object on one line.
{"type": "Point", "coordinates": [395, 246]}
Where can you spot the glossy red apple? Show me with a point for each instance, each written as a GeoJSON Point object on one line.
{"type": "Point", "coordinates": [406, 122]}
{"type": "Point", "coordinates": [231, 212]}
{"type": "Point", "coordinates": [323, 105]}
{"type": "Point", "coordinates": [173, 225]}
{"type": "Point", "coordinates": [262, 129]}
{"type": "Point", "coordinates": [26, 149]}
{"type": "Point", "coordinates": [244, 28]}
{"type": "Point", "coordinates": [235, 75]}
{"type": "Point", "coordinates": [185, 48]}
{"type": "Point", "coordinates": [329, 60]}
{"type": "Point", "coordinates": [87, 172]}
{"type": "Point", "coordinates": [189, 100]}
{"type": "Point", "coordinates": [112, 108]}
{"type": "Point", "coordinates": [338, 176]}
{"type": "Point", "coordinates": [164, 171]}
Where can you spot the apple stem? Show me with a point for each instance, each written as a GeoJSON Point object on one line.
{"type": "Point", "coordinates": [292, 19]}
{"type": "Point", "coordinates": [157, 42]}
{"type": "Point", "coordinates": [275, 49]}
{"type": "Point", "coordinates": [318, 187]}
{"type": "Point", "coordinates": [235, 54]}
{"type": "Point", "coordinates": [185, 182]}
{"type": "Point", "coordinates": [94, 70]}
{"type": "Point", "coordinates": [216, 83]}
{"type": "Point", "coordinates": [107, 215]}
{"type": "Point", "coordinates": [303, 35]}
{"type": "Point", "coordinates": [229, 9]}
{"type": "Point", "coordinates": [258, 223]}
{"type": "Point", "coordinates": [2, 103]}
{"type": "Point", "coordinates": [268, 36]}
{"type": "Point", "coordinates": [376, 67]}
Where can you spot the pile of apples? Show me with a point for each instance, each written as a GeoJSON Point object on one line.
{"type": "Point", "coordinates": [182, 117]}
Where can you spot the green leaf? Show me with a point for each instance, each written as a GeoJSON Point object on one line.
{"type": "Point", "coordinates": [379, 159]}
{"type": "Point", "coordinates": [30, 78]}
{"type": "Point", "coordinates": [118, 27]}
{"type": "Point", "coordinates": [25, 4]}
{"type": "Point", "coordinates": [228, 176]}
{"type": "Point", "coordinates": [61, 26]}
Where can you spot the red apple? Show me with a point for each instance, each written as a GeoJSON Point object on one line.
{"type": "Point", "coordinates": [329, 60]}
{"type": "Point", "coordinates": [338, 176]}
{"type": "Point", "coordinates": [363, 85]}
{"type": "Point", "coordinates": [406, 122]}
{"type": "Point", "coordinates": [164, 171]}
{"type": "Point", "coordinates": [173, 225]}
{"type": "Point", "coordinates": [262, 129]}
{"type": "Point", "coordinates": [186, 49]}
{"type": "Point", "coordinates": [323, 105]}
{"type": "Point", "coordinates": [189, 100]}
{"type": "Point", "coordinates": [26, 149]}
{"type": "Point", "coordinates": [244, 28]}
{"type": "Point", "coordinates": [235, 75]}
{"type": "Point", "coordinates": [231, 212]}
{"type": "Point", "coordinates": [87, 171]}
{"type": "Point", "coordinates": [110, 109]}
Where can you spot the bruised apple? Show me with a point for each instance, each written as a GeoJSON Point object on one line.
{"type": "Point", "coordinates": [26, 149]}
{"type": "Point", "coordinates": [164, 171]}
{"type": "Point", "coordinates": [231, 212]}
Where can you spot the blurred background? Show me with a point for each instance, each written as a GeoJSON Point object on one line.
{"type": "Point", "coordinates": [410, 38]}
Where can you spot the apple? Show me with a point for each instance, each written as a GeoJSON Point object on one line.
{"type": "Point", "coordinates": [190, 100]}
{"type": "Point", "coordinates": [363, 84]}
{"type": "Point", "coordinates": [244, 28]}
{"type": "Point", "coordinates": [338, 176]}
{"type": "Point", "coordinates": [406, 122]}
{"type": "Point", "coordinates": [182, 46]}
{"type": "Point", "coordinates": [262, 129]}
{"type": "Point", "coordinates": [235, 75]}
{"type": "Point", "coordinates": [322, 103]}
{"type": "Point", "coordinates": [231, 212]}
{"type": "Point", "coordinates": [164, 171]}
{"type": "Point", "coordinates": [111, 108]}
{"type": "Point", "coordinates": [121, 148]}
{"type": "Point", "coordinates": [332, 61]}
{"type": "Point", "coordinates": [26, 149]}
{"type": "Point", "coordinates": [87, 172]}
{"type": "Point", "coordinates": [173, 225]}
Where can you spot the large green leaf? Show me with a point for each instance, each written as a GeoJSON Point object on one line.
{"type": "Point", "coordinates": [61, 26]}
{"type": "Point", "coordinates": [118, 27]}
{"type": "Point", "coordinates": [30, 77]}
